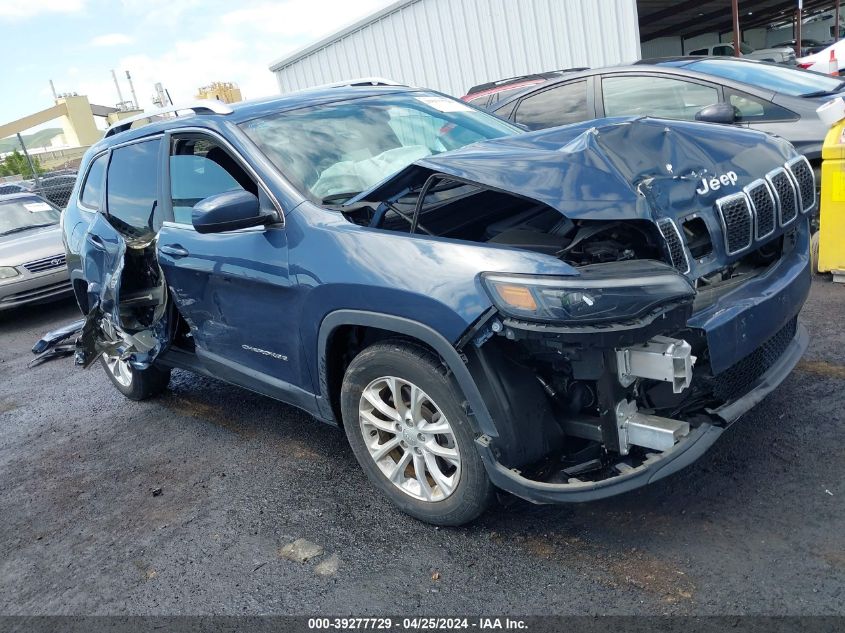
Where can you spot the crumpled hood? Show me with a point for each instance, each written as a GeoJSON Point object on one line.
{"type": "Point", "coordinates": [608, 169]}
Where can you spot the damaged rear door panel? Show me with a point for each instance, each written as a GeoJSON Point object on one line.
{"type": "Point", "coordinates": [126, 289]}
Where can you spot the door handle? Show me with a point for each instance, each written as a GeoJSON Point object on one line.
{"type": "Point", "coordinates": [174, 250]}
{"type": "Point", "coordinates": [96, 241]}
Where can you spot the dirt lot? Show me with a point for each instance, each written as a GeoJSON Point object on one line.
{"type": "Point", "coordinates": [756, 526]}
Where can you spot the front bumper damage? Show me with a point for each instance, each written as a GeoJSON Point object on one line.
{"type": "Point", "coordinates": [661, 465]}
{"type": "Point", "coordinates": [754, 324]}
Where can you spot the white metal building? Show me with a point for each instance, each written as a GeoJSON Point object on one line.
{"type": "Point", "coordinates": [450, 45]}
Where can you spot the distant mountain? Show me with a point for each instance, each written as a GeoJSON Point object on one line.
{"type": "Point", "coordinates": [41, 138]}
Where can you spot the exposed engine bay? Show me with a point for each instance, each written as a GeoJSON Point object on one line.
{"type": "Point", "coordinates": [451, 210]}
{"type": "Point", "coordinates": [602, 399]}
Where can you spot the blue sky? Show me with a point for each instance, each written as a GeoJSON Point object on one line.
{"type": "Point", "coordinates": [182, 43]}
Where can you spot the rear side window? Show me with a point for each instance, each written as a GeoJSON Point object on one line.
{"type": "Point", "coordinates": [92, 190]}
{"type": "Point", "coordinates": [132, 189]}
{"type": "Point", "coordinates": [750, 109]}
{"type": "Point", "coordinates": [556, 106]}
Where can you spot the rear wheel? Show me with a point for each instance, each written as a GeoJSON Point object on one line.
{"type": "Point", "coordinates": [403, 416]}
{"type": "Point", "coordinates": [135, 384]}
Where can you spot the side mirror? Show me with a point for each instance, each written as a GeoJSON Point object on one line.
{"type": "Point", "coordinates": [228, 211]}
{"type": "Point", "coordinates": [717, 113]}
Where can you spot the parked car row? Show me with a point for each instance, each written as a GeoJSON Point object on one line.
{"type": "Point", "coordinates": [767, 97]}
{"type": "Point", "coordinates": [55, 187]}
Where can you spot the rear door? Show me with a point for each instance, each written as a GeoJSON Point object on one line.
{"type": "Point", "coordinates": [127, 296]}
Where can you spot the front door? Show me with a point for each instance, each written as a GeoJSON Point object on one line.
{"type": "Point", "coordinates": [233, 288]}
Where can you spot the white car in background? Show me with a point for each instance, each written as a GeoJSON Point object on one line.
{"type": "Point", "coordinates": [820, 62]}
{"type": "Point", "coordinates": [785, 55]}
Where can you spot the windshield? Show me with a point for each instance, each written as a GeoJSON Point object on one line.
{"type": "Point", "coordinates": [21, 214]}
{"type": "Point", "coordinates": [334, 151]}
{"type": "Point", "coordinates": [780, 79]}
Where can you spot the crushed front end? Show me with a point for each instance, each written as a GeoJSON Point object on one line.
{"type": "Point", "coordinates": [689, 245]}
{"type": "Point", "coordinates": [642, 364]}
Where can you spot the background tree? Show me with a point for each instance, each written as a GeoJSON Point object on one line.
{"type": "Point", "coordinates": [16, 163]}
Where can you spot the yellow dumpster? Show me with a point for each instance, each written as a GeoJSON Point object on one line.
{"type": "Point", "coordinates": [832, 210]}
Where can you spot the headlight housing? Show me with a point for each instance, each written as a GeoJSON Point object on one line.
{"type": "Point", "coordinates": [7, 272]}
{"type": "Point", "coordinates": [600, 293]}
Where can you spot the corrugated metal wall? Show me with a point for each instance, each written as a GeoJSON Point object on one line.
{"type": "Point", "coordinates": [450, 45]}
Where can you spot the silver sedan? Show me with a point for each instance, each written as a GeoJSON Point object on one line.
{"type": "Point", "coordinates": [32, 257]}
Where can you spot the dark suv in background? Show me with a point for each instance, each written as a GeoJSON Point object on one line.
{"type": "Point", "coordinates": [564, 314]}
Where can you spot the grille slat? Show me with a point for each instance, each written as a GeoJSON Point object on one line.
{"type": "Point", "coordinates": [805, 181]}
{"type": "Point", "coordinates": [764, 208]}
{"type": "Point", "coordinates": [737, 379]}
{"type": "Point", "coordinates": [786, 194]}
{"type": "Point", "coordinates": [737, 221]}
{"type": "Point", "coordinates": [48, 263]}
{"type": "Point", "coordinates": [674, 244]}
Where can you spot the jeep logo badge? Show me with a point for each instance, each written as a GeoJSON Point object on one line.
{"type": "Point", "coordinates": [717, 182]}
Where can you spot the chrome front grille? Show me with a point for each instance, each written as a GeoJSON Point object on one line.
{"type": "Point", "coordinates": [754, 213]}
{"type": "Point", "coordinates": [805, 181]}
{"type": "Point", "coordinates": [737, 221]}
{"type": "Point", "coordinates": [763, 207]}
{"type": "Point", "coordinates": [674, 244]}
{"type": "Point", "coordinates": [786, 194]}
{"type": "Point", "coordinates": [48, 263]}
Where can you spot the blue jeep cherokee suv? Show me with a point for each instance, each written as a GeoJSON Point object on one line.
{"type": "Point", "coordinates": [564, 315]}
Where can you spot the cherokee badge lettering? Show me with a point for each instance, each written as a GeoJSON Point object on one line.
{"type": "Point", "coordinates": [265, 352]}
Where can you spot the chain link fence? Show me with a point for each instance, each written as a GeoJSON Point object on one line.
{"type": "Point", "coordinates": [53, 186]}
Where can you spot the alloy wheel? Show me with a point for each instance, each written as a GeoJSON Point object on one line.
{"type": "Point", "coordinates": [120, 369]}
{"type": "Point", "coordinates": [409, 438]}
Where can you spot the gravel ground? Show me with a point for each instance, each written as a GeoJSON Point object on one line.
{"type": "Point", "coordinates": [757, 526]}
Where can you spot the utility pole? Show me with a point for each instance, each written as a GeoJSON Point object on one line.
{"type": "Point", "coordinates": [836, 23]}
{"type": "Point", "coordinates": [737, 34]}
{"type": "Point", "coordinates": [31, 164]}
{"type": "Point", "coordinates": [132, 88]}
{"type": "Point", "coordinates": [53, 90]}
{"type": "Point", "coordinates": [798, 21]}
{"type": "Point", "coordinates": [119, 94]}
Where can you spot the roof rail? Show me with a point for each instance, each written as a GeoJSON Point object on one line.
{"type": "Point", "coordinates": [201, 106]}
{"type": "Point", "coordinates": [360, 81]}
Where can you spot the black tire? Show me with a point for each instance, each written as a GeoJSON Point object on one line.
{"type": "Point", "coordinates": [415, 364]}
{"type": "Point", "coordinates": [144, 383]}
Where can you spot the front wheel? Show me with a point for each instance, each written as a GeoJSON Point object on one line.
{"type": "Point", "coordinates": [403, 416]}
{"type": "Point", "coordinates": [135, 384]}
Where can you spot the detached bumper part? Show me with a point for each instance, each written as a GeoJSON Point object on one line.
{"type": "Point", "coordinates": [662, 358]}
{"type": "Point", "coordinates": [648, 431]}
{"type": "Point", "coordinates": [657, 466]}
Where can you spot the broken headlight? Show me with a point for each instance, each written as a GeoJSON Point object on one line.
{"type": "Point", "coordinates": [615, 291]}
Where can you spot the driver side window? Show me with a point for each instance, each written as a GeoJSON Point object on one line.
{"type": "Point", "coordinates": [200, 167]}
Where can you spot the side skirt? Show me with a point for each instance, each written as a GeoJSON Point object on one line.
{"type": "Point", "coordinates": [214, 366]}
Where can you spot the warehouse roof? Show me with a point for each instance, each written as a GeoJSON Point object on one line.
{"type": "Point", "coordinates": [687, 18]}
{"type": "Point", "coordinates": [337, 35]}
